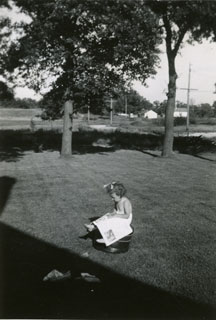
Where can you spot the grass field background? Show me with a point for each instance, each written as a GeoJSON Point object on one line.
{"type": "Point", "coordinates": [16, 119]}
{"type": "Point", "coordinates": [47, 200]}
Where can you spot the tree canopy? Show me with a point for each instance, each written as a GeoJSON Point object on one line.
{"type": "Point", "coordinates": [5, 92]}
{"type": "Point", "coordinates": [83, 46]}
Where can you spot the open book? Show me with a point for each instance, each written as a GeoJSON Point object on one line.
{"type": "Point", "coordinates": [112, 228]}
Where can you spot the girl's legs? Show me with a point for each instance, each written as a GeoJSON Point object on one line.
{"type": "Point", "coordinates": [90, 227]}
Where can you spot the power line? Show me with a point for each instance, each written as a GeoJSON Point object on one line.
{"type": "Point", "coordinates": [188, 89]}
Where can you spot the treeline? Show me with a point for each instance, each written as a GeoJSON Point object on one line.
{"type": "Point", "coordinates": [134, 103]}
{"type": "Point", "coordinates": [123, 101]}
{"type": "Point", "coordinates": [26, 103]}
{"type": "Point", "coordinates": [8, 100]}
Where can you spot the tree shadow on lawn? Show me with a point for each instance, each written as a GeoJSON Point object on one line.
{"type": "Point", "coordinates": [206, 157]}
{"type": "Point", "coordinates": [15, 154]}
{"type": "Point", "coordinates": [14, 144]}
{"type": "Point", "coordinates": [26, 260]}
{"type": "Point", "coordinates": [11, 154]}
{"type": "Point", "coordinates": [6, 184]}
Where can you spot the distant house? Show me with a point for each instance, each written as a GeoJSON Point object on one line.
{"type": "Point", "coordinates": [132, 115]}
{"type": "Point", "coordinates": [123, 114]}
{"type": "Point", "coordinates": [150, 114]}
{"type": "Point", "coordinates": [181, 112]}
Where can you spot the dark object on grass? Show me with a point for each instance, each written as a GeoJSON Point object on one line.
{"type": "Point", "coordinates": [6, 185]}
{"type": "Point", "coordinates": [56, 275]}
{"type": "Point", "coordinates": [120, 246]}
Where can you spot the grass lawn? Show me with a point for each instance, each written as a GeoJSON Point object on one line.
{"type": "Point", "coordinates": [169, 271]}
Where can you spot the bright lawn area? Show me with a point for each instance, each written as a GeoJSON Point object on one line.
{"type": "Point", "coordinates": [47, 200]}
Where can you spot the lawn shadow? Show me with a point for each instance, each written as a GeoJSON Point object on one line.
{"type": "Point", "coordinates": [11, 154]}
{"type": "Point", "coordinates": [204, 158]}
{"type": "Point", "coordinates": [91, 219]}
{"type": "Point", "coordinates": [150, 153]}
{"type": "Point", "coordinates": [26, 260]}
{"type": "Point", "coordinates": [80, 149]}
{"type": "Point", "coordinates": [13, 144]}
{"type": "Point", "coordinates": [6, 184]}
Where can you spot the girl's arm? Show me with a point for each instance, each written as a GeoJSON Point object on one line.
{"type": "Point", "coordinates": [125, 212]}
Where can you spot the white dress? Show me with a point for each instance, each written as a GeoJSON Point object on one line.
{"type": "Point", "coordinates": [115, 228]}
{"type": "Point", "coordinates": [120, 209]}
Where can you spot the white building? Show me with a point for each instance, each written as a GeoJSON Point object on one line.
{"type": "Point", "coordinates": [181, 112]}
{"type": "Point", "coordinates": [150, 114]}
{"type": "Point", "coordinates": [123, 114]}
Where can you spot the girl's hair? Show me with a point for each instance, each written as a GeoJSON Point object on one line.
{"type": "Point", "coordinates": [116, 187]}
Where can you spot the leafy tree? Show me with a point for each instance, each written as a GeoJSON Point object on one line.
{"type": "Point", "coordinates": [17, 103]}
{"type": "Point", "coordinates": [5, 92]}
{"type": "Point", "coordinates": [214, 108]}
{"type": "Point", "coordinates": [196, 19]}
{"type": "Point", "coordinates": [85, 47]}
{"type": "Point", "coordinates": [146, 104]}
{"type": "Point", "coordinates": [132, 101]}
{"type": "Point", "coordinates": [26, 103]}
{"type": "Point", "coordinates": [181, 105]}
{"type": "Point", "coordinates": [205, 110]}
{"type": "Point", "coordinates": [160, 107]}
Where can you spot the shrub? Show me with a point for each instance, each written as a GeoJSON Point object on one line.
{"type": "Point", "coordinates": [194, 145]}
{"type": "Point", "coordinates": [159, 121]}
{"type": "Point", "coordinates": [84, 127]}
{"type": "Point", "coordinates": [209, 121]}
{"type": "Point", "coordinates": [137, 123]}
{"type": "Point", "coordinates": [193, 120]}
{"type": "Point", "coordinates": [180, 121]}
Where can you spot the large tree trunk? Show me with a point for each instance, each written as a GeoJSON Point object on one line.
{"type": "Point", "coordinates": [66, 149]}
{"type": "Point", "coordinates": [169, 116]}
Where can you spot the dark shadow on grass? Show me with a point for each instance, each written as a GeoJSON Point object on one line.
{"type": "Point", "coordinates": [91, 219]}
{"type": "Point", "coordinates": [6, 184]}
{"type": "Point", "coordinates": [92, 149]}
{"type": "Point", "coordinates": [26, 260]}
{"type": "Point", "coordinates": [13, 144]}
{"type": "Point", "coordinates": [11, 154]}
{"type": "Point", "coordinates": [204, 158]}
{"type": "Point", "coordinates": [149, 153]}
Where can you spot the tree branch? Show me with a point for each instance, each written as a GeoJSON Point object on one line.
{"type": "Point", "coordinates": [168, 34]}
{"type": "Point", "coordinates": [179, 41]}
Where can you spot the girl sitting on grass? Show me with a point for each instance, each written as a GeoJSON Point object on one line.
{"type": "Point", "coordinates": [121, 215]}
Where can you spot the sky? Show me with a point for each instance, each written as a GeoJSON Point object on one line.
{"type": "Point", "coordinates": [202, 58]}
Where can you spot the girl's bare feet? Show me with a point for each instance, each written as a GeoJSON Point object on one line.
{"type": "Point", "coordinates": [90, 227]}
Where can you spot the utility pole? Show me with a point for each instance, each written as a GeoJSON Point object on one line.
{"type": "Point", "coordinates": [188, 100]}
{"type": "Point", "coordinates": [125, 104]}
{"type": "Point", "coordinates": [88, 106]}
{"type": "Point", "coordinates": [88, 113]}
{"type": "Point", "coordinates": [111, 111]}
